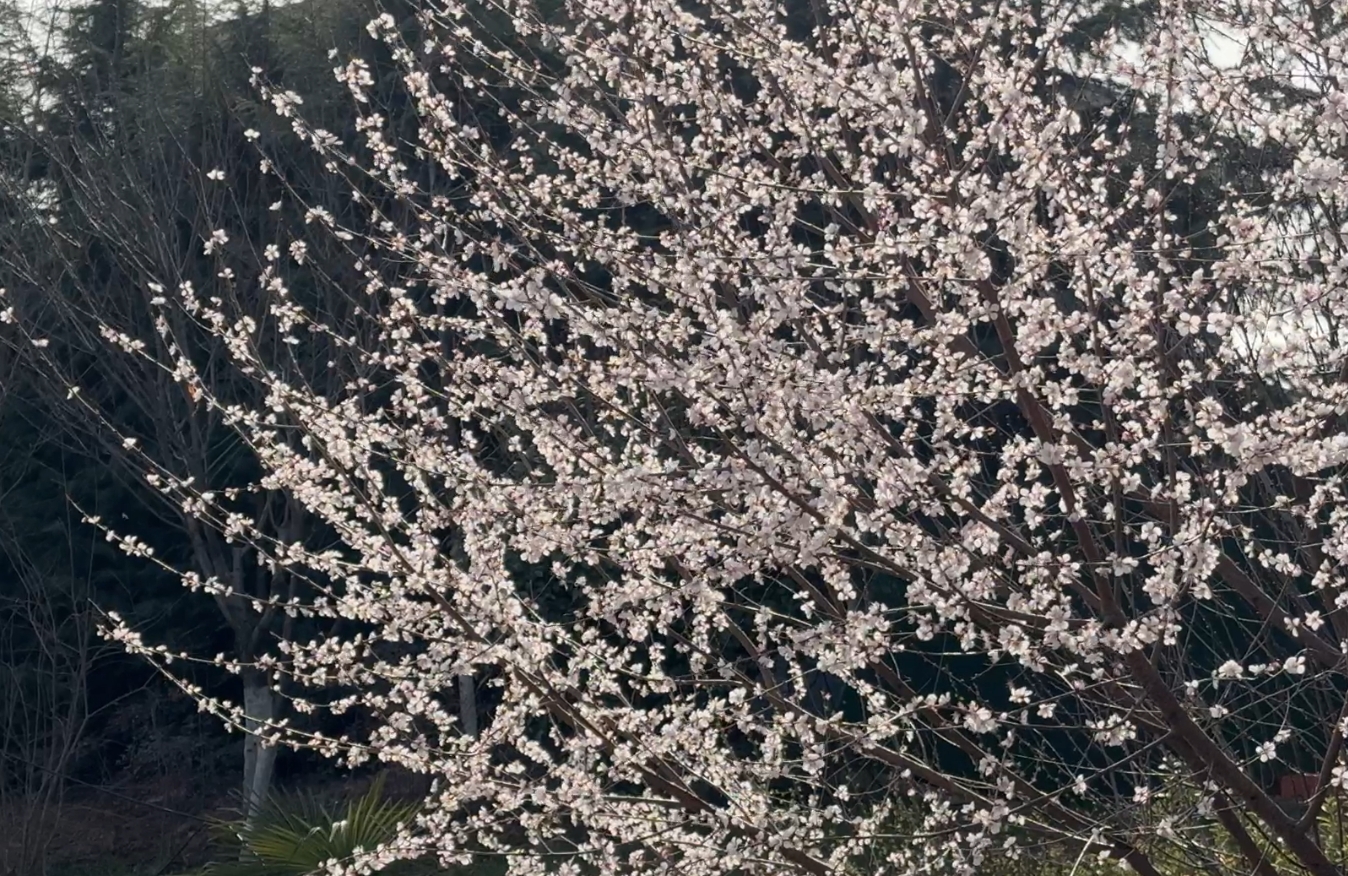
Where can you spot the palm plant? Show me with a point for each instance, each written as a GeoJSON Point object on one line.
{"type": "Point", "coordinates": [297, 834]}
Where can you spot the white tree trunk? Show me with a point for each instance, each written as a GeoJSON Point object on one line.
{"type": "Point", "coordinates": [259, 705]}
{"type": "Point", "coordinates": [468, 705]}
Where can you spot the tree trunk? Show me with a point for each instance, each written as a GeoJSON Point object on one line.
{"type": "Point", "coordinates": [259, 704]}
{"type": "Point", "coordinates": [468, 705]}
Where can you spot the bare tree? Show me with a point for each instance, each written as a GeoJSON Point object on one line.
{"type": "Point", "coordinates": [49, 648]}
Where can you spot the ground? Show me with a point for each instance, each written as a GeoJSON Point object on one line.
{"type": "Point", "coordinates": [148, 828]}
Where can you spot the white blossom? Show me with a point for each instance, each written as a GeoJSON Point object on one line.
{"type": "Point", "coordinates": [217, 239]}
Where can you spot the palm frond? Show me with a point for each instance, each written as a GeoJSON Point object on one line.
{"type": "Point", "coordinates": [296, 835]}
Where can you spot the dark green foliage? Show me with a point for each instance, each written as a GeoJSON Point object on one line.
{"type": "Point", "coordinates": [295, 835]}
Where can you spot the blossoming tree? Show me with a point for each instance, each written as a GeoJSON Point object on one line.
{"type": "Point", "coordinates": [793, 415]}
